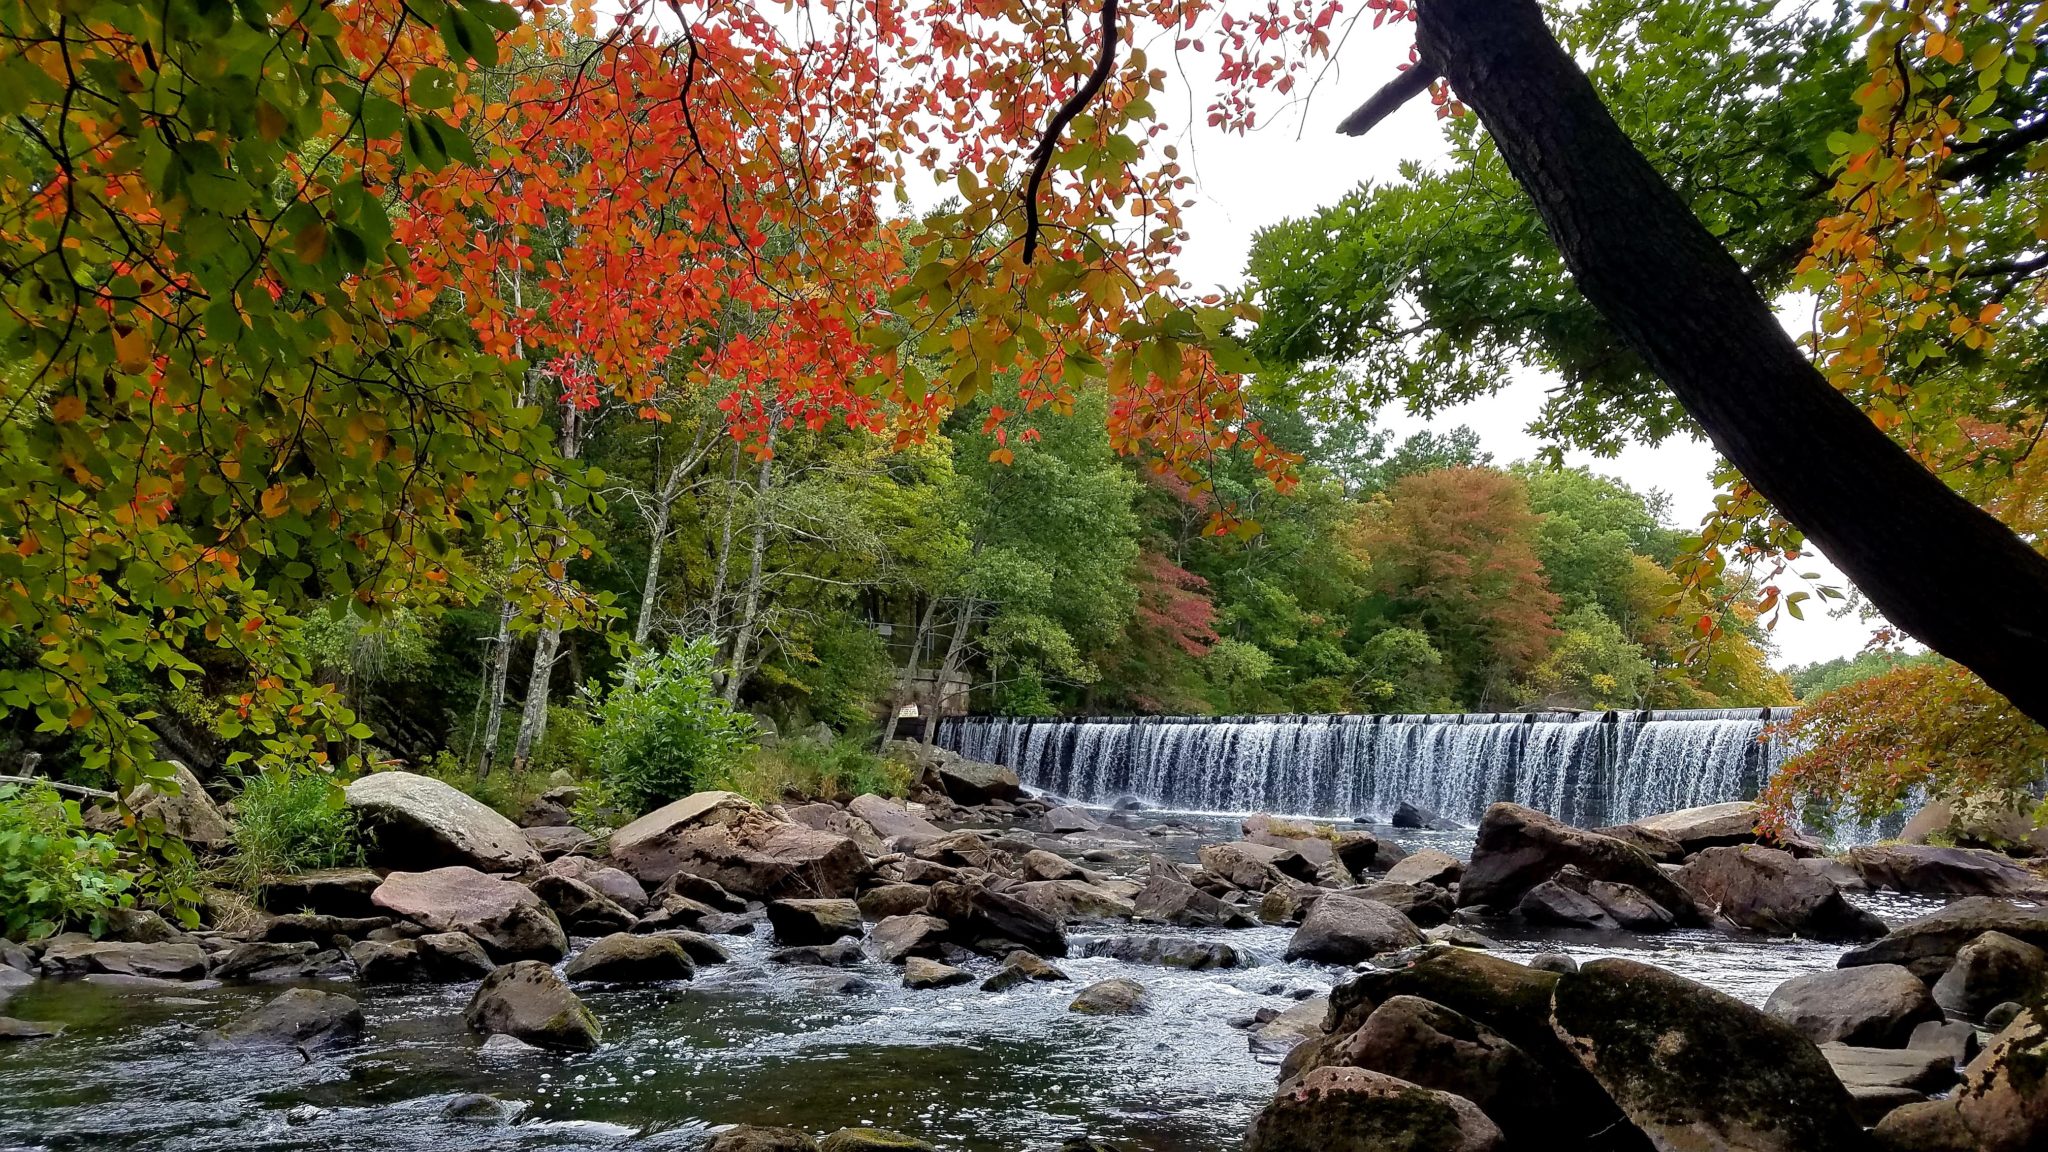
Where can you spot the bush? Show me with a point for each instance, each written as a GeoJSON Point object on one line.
{"type": "Point", "coordinates": [662, 732]}
{"type": "Point", "coordinates": [53, 873]}
{"type": "Point", "coordinates": [292, 821]}
{"type": "Point", "coordinates": [809, 768]}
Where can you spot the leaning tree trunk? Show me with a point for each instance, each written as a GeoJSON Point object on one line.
{"type": "Point", "coordinates": [949, 667]}
{"type": "Point", "coordinates": [750, 608]}
{"type": "Point", "coordinates": [906, 682]}
{"type": "Point", "coordinates": [1937, 566]}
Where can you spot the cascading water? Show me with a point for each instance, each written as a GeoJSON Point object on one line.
{"type": "Point", "coordinates": [1588, 769]}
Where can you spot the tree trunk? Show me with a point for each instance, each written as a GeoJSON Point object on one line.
{"type": "Point", "coordinates": [948, 668]}
{"type": "Point", "coordinates": [750, 608]}
{"type": "Point", "coordinates": [533, 716]}
{"type": "Point", "coordinates": [906, 683]}
{"type": "Point", "coordinates": [1937, 566]}
{"type": "Point", "coordinates": [657, 531]}
{"type": "Point", "coordinates": [714, 625]}
{"type": "Point", "coordinates": [494, 688]}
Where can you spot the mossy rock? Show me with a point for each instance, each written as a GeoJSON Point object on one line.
{"type": "Point", "coordinates": [872, 1140]}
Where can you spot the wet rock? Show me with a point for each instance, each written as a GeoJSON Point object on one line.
{"type": "Point", "coordinates": [1343, 929]}
{"type": "Point", "coordinates": [1283, 1032]}
{"type": "Point", "coordinates": [506, 918]}
{"type": "Point", "coordinates": [725, 839]}
{"type": "Point", "coordinates": [1112, 998]}
{"type": "Point", "coordinates": [1929, 944]}
{"type": "Point", "coordinates": [527, 1001]}
{"type": "Point", "coordinates": [1992, 969]}
{"type": "Point", "coordinates": [1066, 900]}
{"type": "Point", "coordinates": [1166, 951]}
{"type": "Point", "coordinates": [1427, 866]}
{"type": "Point", "coordinates": [300, 1018]}
{"type": "Point", "coordinates": [972, 782]}
{"type": "Point", "coordinates": [921, 973]}
{"type": "Point", "coordinates": [312, 926]}
{"type": "Point", "coordinates": [328, 891]}
{"type": "Point", "coordinates": [506, 1047]}
{"type": "Point", "coordinates": [1518, 848]}
{"type": "Point", "coordinates": [1918, 1069]}
{"type": "Point", "coordinates": [2002, 1105]}
{"type": "Point", "coordinates": [916, 934]}
{"type": "Point", "coordinates": [1428, 1044]}
{"type": "Point", "coordinates": [894, 900]}
{"type": "Point", "coordinates": [555, 841]}
{"type": "Point", "coordinates": [1355, 1110]}
{"type": "Point", "coordinates": [813, 921]}
{"type": "Point", "coordinates": [706, 892]}
{"type": "Point", "coordinates": [1168, 898]}
{"type": "Point", "coordinates": [1658, 846]}
{"type": "Point", "coordinates": [12, 981]}
{"type": "Point", "coordinates": [755, 1138]}
{"type": "Point", "coordinates": [842, 954]}
{"type": "Point", "coordinates": [422, 823]}
{"type": "Point", "coordinates": [1042, 865]}
{"type": "Point", "coordinates": [13, 955]}
{"type": "Point", "coordinates": [731, 923]}
{"type": "Point", "coordinates": [1425, 904]}
{"type": "Point", "coordinates": [1458, 936]}
{"type": "Point", "coordinates": [872, 1140]}
{"type": "Point", "coordinates": [613, 883]}
{"type": "Point", "coordinates": [582, 909]}
{"type": "Point", "coordinates": [12, 1029]}
{"type": "Point", "coordinates": [1256, 867]}
{"type": "Point", "coordinates": [1060, 821]}
{"type": "Point", "coordinates": [1708, 826]}
{"type": "Point", "coordinates": [268, 962]}
{"type": "Point", "coordinates": [1631, 907]}
{"type": "Point", "coordinates": [701, 949]}
{"type": "Point", "coordinates": [623, 958]}
{"type": "Point", "coordinates": [1922, 868]}
{"type": "Point", "coordinates": [1998, 1019]}
{"type": "Point", "coordinates": [1558, 962]}
{"type": "Point", "coordinates": [1766, 890]}
{"type": "Point", "coordinates": [477, 1108]}
{"type": "Point", "coordinates": [1415, 817]}
{"type": "Point", "coordinates": [1559, 902]}
{"type": "Point", "coordinates": [995, 923]}
{"type": "Point", "coordinates": [1875, 1006]}
{"type": "Point", "coordinates": [1021, 968]}
{"type": "Point", "coordinates": [1951, 1038]}
{"type": "Point", "coordinates": [75, 954]}
{"type": "Point", "coordinates": [436, 958]}
{"type": "Point", "coordinates": [1664, 1049]}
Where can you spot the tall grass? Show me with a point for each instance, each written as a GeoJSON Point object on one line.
{"type": "Point", "coordinates": [289, 822]}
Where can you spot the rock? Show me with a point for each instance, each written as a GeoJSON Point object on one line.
{"type": "Point", "coordinates": [1168, 898]}
{"type": "Point", "coordinates": [1355, 1110]}
{"type": "Point", "coordinates": [1042, 865]}
{"type": "Point", "coordinates": [75, 954]}
{"type": "Point", "coordinates": [582, 909]}
{"type": "Point", "coordinates": [527, 1001]}
{"type": "Point", "coordinates": [872, 1140]}
{"type": "Point", "coordinates": [725, 839]}
{"type": "Point", "coordinates": [1929, 944]}
{"type": "Point", "coordinates": [1286, 905]}
{"type": "Point", "coordinates": [1425, 904]}
{"type": "Point", "coordinates": [1657, 846]}
{"type": "Point", "coordinates": [300, 1018]}
{"type": "Point", "coordinates": [1558, 902]}
{"type": "Point", "coordinates": [1288, 1030]}
{"type": "Point", "coordinates": [421, 823]}
{"type": "Point", "coordinates": [506, 918]}
{"type": "Point", "coordinates": [1428, 1044]}
{"type": "Point", "coordinates": [1357, 852]}
{"type": "Point", "coordinates": [706, 892]}
{"type": "Point", "coordinates": [502, 1046]}
{"type": "Point", "coordinates": [1558, 962]}
{"type": "Point", "coordinates": [682, 913]}
{"type": "Point", "coordinates": [894, 900]}
{"type": "Point", "coordinates": [699, 948]}
{"type": "Point", "coordinates": [436, 958]}
{"type": "Point", "coordinates": [1991, 970]}
{"type": "Point", "coordinates": [477, 1108]}
{"type": "Point", "coordinates": [1416, 817]}
{"type": "Point", "coordinates": [841, 954]}
{"type": "Point", "coordinates": [1059, 821]}
{"type": "Point", "coordinates": [1066, 900]}
{"type": "Point", "coordinates": [554, 841]}
{"type": "Point", "coordinates": [1020, 968]}
{"type": "Point", "coordinates": [1871, 1104]}
{"type": "Point", "coordinates": [1951, 1038]}
{"type": "Point", "coordinates": [319, 929]}
{"type": "Point", "coordinates": [191, 815]}
{"type": "Point", "coordinates": [971, 782]}
{"type": "Point", "coordinates": [1709, 826]}
{"type": "Point", "coordinates": [837, 821]}
{"type": "Point", "coordinates": [13, 955]}
{"type": "Point", "coordinates": [2002, 1105]}
{"type": "Point", "coordinates": [996, 923]}
{"type": "Point", "coordinates": [893, 822]}
{"type": "Point", "coordinates": [554, 808]}
{"type": "Point", "coordinates": [1921, 868]}
{"type": "Point", "coordinates": [753, 1138]}
{"type": "Point", "coordinates": [813, 921]}
{"type": "Point", "coordinates": [1112, 998]}
{"type": "Point", "coordinates": [1915, 1068]}
{"type": "Point", "coordinates": [623, 958]}
{"type": "Point", "coordinates": [1256, 867]}
{"type": "Point", "coordinates": [1459, 936]}
{"type": "Point", "coordinates": [1766, 890]}
{"type": "Point", "coordinates": [613, 883]}
{"type": "Point", "coordinates": [268, 962]}
{"type": "Point", "coordinates": [1518, 848]}
{"type": "Point", "coordinates": [329, 892]}
{"type": "Point", "coordinates": [1343, 929]}
{"type": "Point", "coordinates": [1427, 866]}
{"type": "Point", "coordinates": [921, 973]}
{"type": "Point", "coordinates": [916, 934]}
{"type": "Point", "coordinates": [730, 923]}
{"type": "Point", "coordinates": [1630, 907]}
{"type": "Point", "coordinates": [1167, 951]}
{"type": "Point", "coordinates": [13, 1029]}
{"type": "Point", "coordinates": [1996, 1020]}
{"type": "Point", "coordinates": [1696, 1068]}
{"type": "Point", "coordinates": [1875, 1006]}
{"type": "Point", "coordinates": [12, 981]}
{"type": "Point", "coordinates": [138, 926]}
{"type": "Point", "coordinates": [964, 849]}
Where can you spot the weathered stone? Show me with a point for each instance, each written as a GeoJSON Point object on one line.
{"type": "Point", "coordinates": [190, 814]}
{"type": "Point", "coordinates": [739, 848]}
{"type": "Point", "coordinates": [12, 982]}
{"type": "Point", "coordinates": [894, 900]}
{"type": "Point", "coordinates": [1021, 968]}
{"type": "Point", "coordinates": [1929, 944]}
{"type": "Point", "coordinates": [139, 926]}
{"type": "Point", "coordinates": [1355, 1110]}
{"type": "Point", "coordinates": [75, 954]}
{"type": "Point", "coordinates": [921, 973]}
{"type": "Point", "coordinates": [701, 949]}
{"type": "Point", "coordinates": [964, 849]}
{"type": "Point", "coordinates": [624, 958]}
{"type": "Point", "coordinates": [1066, 900]}
{"type": "Point", "coordinates": [1059, 821]}
{"type": "Point", "coordinates": [422, 823]}
{"type": "Point", "coordinates": [1286, 905]}
{"type": "Point", "coordinates": [301, 1018]}
{"type": "Point", "coordinates": [872, 1140]}
{"type": "Point", "coordinates": [753, 1138]}
{"type": "Point", "coordinates": [436, 958]}
{"type": "Point", "coordinates": [995, 923]}
{"type": "Point", "coordinates": [1357, 852]}
{"type": "Point", "coordinates": [1168, 898]}
{"type": "Point", "coordinates": [1766, 890]}
{"type": "Point", "coordinates": [1708, 826]}
{"type": "Point", "coordinates": [1166, 951]}
{"type": "Point", "coordinates": [320, 929]}
{"type": "Point", "coordinates": [506, 918]}
{"type": "Point", "coordinates": [813, 921]}
{"type": "Point", "coordinates": [1518, 848]}
{"type": "Point", "coordinates": [1415, 817]}
{"type": "Point", "coordinates": [1876, 1006]}
{"type": "Point", "coordinates": [2002, 1105]}
{"type": "Point", "coordinates": [13, 1029]}
{"type": "Point", "coordinates": [915, 934]}
{"type": "Point", "coordinates": [1558, 902]}
{"type": "Point", "coordinates": [831, 818]}
{"type": "Point", "coordinates": [1343, 929]}
{"type": "Point", "coordinates": [972, 782]}
{"type": "Point", "coordinates": [1425, 904]}
{"type": "Point", "coordinates": [1918, 1069]}
{"type": "Point", "coordinates": [614, 883]}
{"type": "Point", "coordinates": [1428, 1044]}
{"type": "Point", "coordinates": [894, 823]}
{"type": "Point", "coordinates": [1256, 867]}
{"type": "Point", "coordinates": [707, 892]}
{"type": "Point", "coordinates": [1427, 866]}
{"type": "Point", "coordinates": [1952, 1038]}
{"type": "Point", "coordinates": [558, 840]}
{"type": "Point", "coordinates": [1112, 998]}
{"type": "Point", "coordinates": [1658, 846]}
{"type": "Point", "coordinates": [1042, 865]}
{"type": "Point", "coordinates": [478, 1108]}
{"type": "Point", "coordinates": [269, 962]}
{"type": "Point", "coordinates": [328, 891]}
{"type": "Point", "coordinates": [1992, 969]}
{"type": "Point", "coordinates": [1696, 1068]}
{"type": "Point", "coordinates": [526, 1000]}
{"type": "Point", "coordinates": [582, 909]}
{"type": "Point", "coordinates": [1923, 868]}
{"type": "Point", "coordinates": [840, 954]}
{"type": "Point", "coordinates": [681, 912]}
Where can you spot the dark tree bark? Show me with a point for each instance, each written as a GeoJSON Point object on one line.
{"type": "Point", "coordinates": [1937, 566]}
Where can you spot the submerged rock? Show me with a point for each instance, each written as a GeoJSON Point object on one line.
{"type": "Point", "coordinates": [1766, 890]}
{"type": "Point", "coordinates": [1112, 998]}
{"type": "Point", "coordinates": [1344, 929]}
{"type": "Point", "coordinates": [1875, 1006]}
{"type": "Point", "coordinates": [527, 1001]}
{"type": "Point", "coordinates": [624, 958]}
{"type": "Point", "coordinates": [424, 823]}
{"type": "Point", "coordinates": [1355, 1110]}
{"type": "Point", "coordinates": [505, 917]}
{"type": "Point", "coordinates": [13, 1029]}
{"type": "Point", "coordinates": [301, 1018]}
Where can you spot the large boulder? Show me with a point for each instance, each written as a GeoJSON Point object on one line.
{"type": "Point", "coordinates": [1658, 846]}
{"type": "Point", "coordinates": [2001, 1106]}
{"type": "Point", "coordinates": [76, 954]}
{"type": "Point", "coordinates": [1427, 866]}
{"type": "Point", "coordinates": [996, 923]}
{"type": "Point", "coordinates": [436, 958]}
{"type": "Point", "coordinates": [1924, 868]}
{"type": "Point", "coordinates": [623, 958]}
{"type": "Point", "coordinates": [301, 1018]}
{"type": "Point", "coordinates": [893, 822]}
{"type": "Point", "coordinates": [1168, 898]}
{"type": "Point", "coordinates": [813, 921]}
{"type": "Point", "coordinates": [1766, 890]}
{"type": "Point", "coordinates": [1355, 1110]}
{"type": "Point", "coordinates": [1428, 1044]}
{"type": "Point", "coordinates": [422, 823]}
{"type": "Point", "coordinates": [1693, 1067]}
{"type": "Point", "coordinates": [1417, 818]}
{"type": "Point", "coordinates": [506, 918]}
{"type": "Point", "coordinates": [1066, 900]}
{"type": "Point", "coordinates": [1256, 867]}
{"type": "Point", "coordinates": [724, 838]}
{"type": "Point", "coordinates": [1991, 970]}
{"type": "Point", "coordinates": [1929, 944]}
{"type": "Point", "coordinates": [582, 909]}
{"type": "Point", "coordinates": [1344, 929]}
{"type": "Point", "coordinates": [528, 1002]}
{"type": "Point", "coordinates": [1709, 826]}
{"type": "Point", "coordinates": [971, 782]}
{"type": "Point", "coordinates": [1876, 1006]}
{"type": "Point", "coordinates": [1518, 848]}
{"type": "Point", "coordinates": [189, 814]}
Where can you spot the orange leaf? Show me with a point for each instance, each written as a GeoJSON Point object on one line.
{"type": "Point", "coordinates": [67, 409]}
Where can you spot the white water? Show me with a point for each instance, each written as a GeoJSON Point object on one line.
{"type": "Point", "coordinates": [1587, 769]}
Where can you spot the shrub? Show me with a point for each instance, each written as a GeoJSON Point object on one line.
{"type": "Point", "coordinates": [663, 732]}
{"type": "Point", "coordinates": [54, 874]}
{"type": "Point", "coordinates": [807, 767]}
{"type": "Point", "coordinates": [292, 821]}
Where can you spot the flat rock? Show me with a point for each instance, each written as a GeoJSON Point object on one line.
{"type": "Point", "coordinates": [505, 917]}
{"type": "Point", "coordinates": [75, 954]}
{"type": "Point", "coordinates": [1427, 866]}
{"type": "Point", "coordinates": [1918, 1069]}
{"type": "Point", "coordinates": [1708, 826]}
{"type": "Point", "coordinates": [1877, 1005]}
{"type": "Point", "coordinates": [1923, 868]}
{"type": "Point", "coordinates": [623, 958]}
{"type": "Point", "coordinates": [424, 823]}
{"type": "Point", "coordinates": [1355, 1110]}
{"type": "Point", "coordinates": [527, 1001]}
{"type": "Point", "coordinates": [1343, 929]}
{"type": "Point", "coordinates": [1112, 998]}
{"type": "Point", "coordinates": [813, 921]}
{"type": "Point", "coordinates": [892, 821]}
{"type": "Point", "coordinates": [1766, 890]}
{"type": "Point", "coordinates": [300, 1018]}
{"type": "Point", "coordinates": [919, 972]}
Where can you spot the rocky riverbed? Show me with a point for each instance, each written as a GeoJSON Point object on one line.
{"type": "Point", "coordinates": [1184, 934]}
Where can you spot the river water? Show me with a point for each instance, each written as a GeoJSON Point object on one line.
{"type": "Point", "coordinates": [746, 1042]}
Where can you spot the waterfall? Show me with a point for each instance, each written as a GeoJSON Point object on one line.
{"type": "Point", "coordinates": [1589, 769]}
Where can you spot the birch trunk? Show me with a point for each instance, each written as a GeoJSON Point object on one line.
{"type": "Point", "coordinates": [743, 640]}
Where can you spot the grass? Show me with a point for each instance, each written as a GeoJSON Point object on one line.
{"type": "Point", "coordinates": [802, 768]}
{"type": "Point", "coordinates": [289, 822]}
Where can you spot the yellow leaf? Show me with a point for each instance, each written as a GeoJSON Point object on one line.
{"type": "Point", "coordinates": [274, 499]}
{"type": "Point", "coordinates": [131, 350]}
{"type": "Point", "coordinates": [68, 409]}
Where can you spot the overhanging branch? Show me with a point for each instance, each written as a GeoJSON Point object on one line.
{"type": "Point", "coordinates": [1041, 156]}
{"type": "Point", "coordinates": [1401, 89]}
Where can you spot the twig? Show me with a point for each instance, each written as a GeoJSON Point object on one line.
{"type": "Point", "coordinates": [80, 789]}
{"type": "Point", "coordinates": [1041, 156]}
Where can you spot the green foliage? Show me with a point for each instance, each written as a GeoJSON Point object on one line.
{"type": "Point", "coordinates": [288, 822]}
{"type": "Point", "coordinates": [1818, 679]}
{"type": "Point", "coordinates": [1399, 670]}
{"type": "Point", "coordinates": [663, 732]}
{"type": "Point", "coordinates": [809, 768]}
{"type": "Point", "coordinates": [1593, 665]}
{"type": "Point", "coordinates": [54, 874]}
